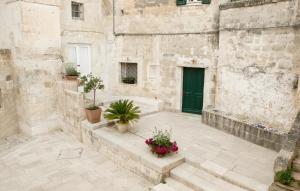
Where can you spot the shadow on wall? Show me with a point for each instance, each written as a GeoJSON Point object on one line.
{"type": "Point", "coordinates": [8, 114]}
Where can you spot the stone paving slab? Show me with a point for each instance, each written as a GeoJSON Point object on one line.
{"type": "Point", "coordinates": [202, 145]}
{"type": "Point", "coordinates": [33, 166]}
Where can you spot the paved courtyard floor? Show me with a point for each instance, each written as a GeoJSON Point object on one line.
{"type": "Point", "coordinates": [211, 148]}
{"type": "Point", "coordinates": [57, 162]}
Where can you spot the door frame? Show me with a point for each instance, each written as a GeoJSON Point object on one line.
{"type": "Point", "coordinates": [182, 82]}
{"type": "Point", "coordinates": [179, 76]}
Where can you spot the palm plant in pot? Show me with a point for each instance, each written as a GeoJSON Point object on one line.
{"type": "Point", "coordinates": [92, 83]}
{"type": "Point", "coordinates": [125, 112]}
{"type": "Point", "coordinates": [71, 72]}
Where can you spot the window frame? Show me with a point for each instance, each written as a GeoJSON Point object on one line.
{"type": "Point", "coordinates": [121, 72]}
{"type": "Point", "coordinates": [80, 10]}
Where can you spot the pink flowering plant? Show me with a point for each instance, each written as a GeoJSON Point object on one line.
{"type": "Point", "coordinates": [161, 144]}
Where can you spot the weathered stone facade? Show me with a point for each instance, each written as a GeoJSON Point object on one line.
{"type": "Point", "coordinates": [254, 43]}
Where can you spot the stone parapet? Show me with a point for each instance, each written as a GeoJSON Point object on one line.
{"type": "Point", "coordinates": [256, 134]}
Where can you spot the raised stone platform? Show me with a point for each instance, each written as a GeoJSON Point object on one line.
{"type": "Point", "coordinates": [129, 151]}
{"type": "Point", "coordinates": [253, 133]}
{"type": "Point", "coordinates": [209, 159]}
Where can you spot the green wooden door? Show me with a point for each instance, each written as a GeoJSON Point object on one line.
{"type": "Point", "coordinates": [193, 86]}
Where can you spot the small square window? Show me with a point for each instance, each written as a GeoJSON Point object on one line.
{"type": "Point", "coordinates": [129, 73]}
{"type": "Point", "coordinates": [77, 11]}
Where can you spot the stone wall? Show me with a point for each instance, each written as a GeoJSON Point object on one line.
{"type": "Point", "coordinates": [8, 113]}
{"type": "Point", "coordinates": [258, 49]}
{"type": "Point", "coordinates": [70, 106]}
{"type": "Point", "coordinates": [37, 61]}
{"type": "Point", "coordinates": [162, 38]}
{"type": "Point", "coordinates": [160, 60]}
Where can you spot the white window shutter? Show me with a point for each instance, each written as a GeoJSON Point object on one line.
{"type": "Point", "coordinates": [84, 60]}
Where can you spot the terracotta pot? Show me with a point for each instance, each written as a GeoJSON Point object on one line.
{"type": "Point", "coordinates": [93, 116]}
{"type": "Point", "coordinates": [71, 78]}
{"type": "Point", "coordinates": [122, 128]}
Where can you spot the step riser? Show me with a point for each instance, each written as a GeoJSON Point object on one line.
{"type": "Point", "coordinates": [217, 175]}
{"type": "Point", "coordinates": [236, 183]}
{"type": "Point", "coordinates": [296, 167]}
{"type": "Point", "coordinates": [186, 182]}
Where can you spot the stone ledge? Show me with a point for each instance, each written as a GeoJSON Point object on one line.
{"type": "Point", "coordinates": [248, 3]}
{"type": "Point", "coordinates": [252, 133]}
{"type": "Point", "coordinates": [129, 151]}
{"type": "Point", "coordinates": [287, 152]}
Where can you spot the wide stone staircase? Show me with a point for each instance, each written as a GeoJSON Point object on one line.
{"type": "Point", "coordinates": [187, 177]}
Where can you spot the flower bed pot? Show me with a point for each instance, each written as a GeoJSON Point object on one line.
{"type": "Point", "coordinates": [71, 78]}
{"type": "Point", "coordinates": [128, 80]}
{"type": "Point", "coordinates": [161, 150]}
{"type": "Point", "coordinates": [122, 128]}
{"type": "Point", "coordinates": [93, 115]}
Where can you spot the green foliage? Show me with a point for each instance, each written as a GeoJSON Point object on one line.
{"type": "Point", "coordinates": [91, 82]}
{"type": "Point", "coordinates": [124, 111]}
{"type": "Point", "coordinates": [129, 80]}
{"type": "Point", "coordinates": [284, 176]}
{"type": "Point", "coordinates": [71, 70]}
{"type": "Point", "coordinates": [162, 138]}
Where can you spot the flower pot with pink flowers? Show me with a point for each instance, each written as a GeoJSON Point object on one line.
{"type": "Point", "coordinates": [161, 144]}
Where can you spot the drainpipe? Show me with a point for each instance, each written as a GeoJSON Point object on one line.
{"type": "Point", "coordinates": [114, 18]}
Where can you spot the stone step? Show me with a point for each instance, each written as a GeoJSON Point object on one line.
{"type": "Point", "coordinates": [296, 176]}
{"type": "Point", "coordinates": [296, 165]}
{"type": "Point", "coordinates": [228, 175]}
{"type": "Point", "coordinates": [201, 180]}
{"type": "Point", "coordinates": [171, 185]}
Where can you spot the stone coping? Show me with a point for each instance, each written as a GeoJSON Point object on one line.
{"type": "Point", "coordinates": [130, 151]}
{"type": "Point", "coordinates": [287, 152]}
{"type": "Point", "coordinates": [256, 134]}
{"type": "Point", "coordinates": [248, 3]}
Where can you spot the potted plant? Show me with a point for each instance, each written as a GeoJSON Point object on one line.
{"type": "Point", "coordinates": [161, 144]}
{"type": "Point", "coordinates": [125, 112]}
{"type": "Point", "coordinates": [129, 80]}
{"type": "Point", "coordinates": [92, 83]}
{"type": "Point", "coordinates": [71, 72]}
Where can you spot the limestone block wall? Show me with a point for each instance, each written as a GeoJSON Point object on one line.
{"type": "Point", "coordinates": [37, 62]}
{"type": "Point", "coordinates": [90, 31]}
{"type": "Point", "coordinates": [258, 49]}
{"type": "Point", "coordinates": [162, 38]}
{"type": "Point", "coordinates": [160, 62]}
{"type": "Point", "coordinates": [8, 113]}
{"type": "Point", "coordinates": [70, 106]}
{"type": "Point", "coordinates": [142, 16]}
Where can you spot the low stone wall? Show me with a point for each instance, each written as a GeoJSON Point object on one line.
{"type": "Point", "coordinates": [125, 151]}
{"type": "Point", "coordinates": [253, 133]}
{"type": "Point", "coordinates": [287, 152]}
{"type": "Point", "coordinates": [70, 106]}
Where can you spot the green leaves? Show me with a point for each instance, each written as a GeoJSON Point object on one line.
{"type": "Point", "coordinates": [284, 177]}
{"type": "Point", "coordinates": [162, 138]}
{"type": "Point", "coordinates": [71, 70]}
{"type": "Point", "coordinates": [124, 111]}
{"type": "Point", "coordinates": [91, 82]}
